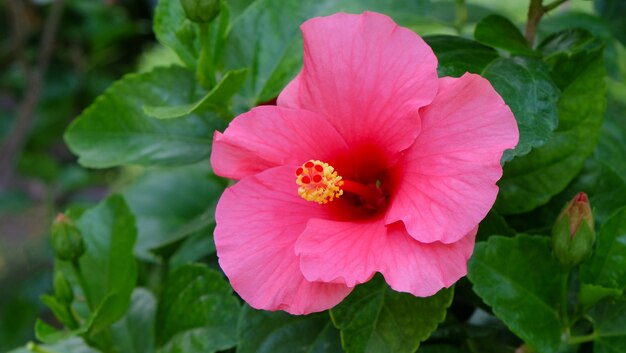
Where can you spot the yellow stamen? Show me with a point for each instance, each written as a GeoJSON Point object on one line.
{"type": "Point", "coordinates": [318, 182]}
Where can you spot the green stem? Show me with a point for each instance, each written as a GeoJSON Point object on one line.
{"type": "Point", "coordinates": [461, 15]}
{"type": "Point", "coordinates": [205, 70]}
{"type": "Point", "coordinates": [82, 283]}
{"type": "Point", "coordinates": [536, 10]}
{"type": "Point", "coordinates": [582, 339]}
{"type": "Point", "coordinates": [564, 298]}
{"type": "Point", "coordinates": [33, 347]}
{"type": "Point", "coordinates": [553, 5]}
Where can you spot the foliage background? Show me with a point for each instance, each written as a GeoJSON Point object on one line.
{"type": "Point", "coordinates": [100, 41]}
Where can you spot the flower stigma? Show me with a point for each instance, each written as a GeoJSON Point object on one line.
{"type": "Point", "coordinates": [318, 182]}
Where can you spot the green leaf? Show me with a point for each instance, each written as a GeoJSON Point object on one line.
{"type": "Point", "coordinates": [191, 232]}
{"type": "Point", "coordinates": [441, 348]}
{"type": "Point", "coordinates": [519, 278]}
{"type": "Point", "coordinates": [48, 334]}
{"type": "Point", "coordinates": [109, 269]}
{"type": "Point", "coordinates": [194, 248]}
{"type": "Point", "coordinates": [278, 332]}
{"type": "Point", "coordinates": [115, 131]}
{"type": "Point", "coordinates": [174, 30]}
{"type": "Point", "coordinates": [566, 42]}
{"type": "Point", "coordinates": [211, 311]}
{"type": "Point", "coordinates": [611, 148]}
{"type": "Point", "coordinates": [604, 177]}
{"type": "Point", "coordinates": [613, 11]}
{"type": "Point", "coordinates": [609, 323]}
{"type": "Point", "coordinates": [190, 192]}
{"type": "Point", "coordinates": [134, 333]}
{"type": "Point", "coordinates": [215, 100]}
{"type": "Point", "coordinates": [526, 86]}
{"type": "Point", "coordinates": [606, 265]}
{"type": "Point", "coordinates": [591, 294]}
{"type": "Point", "coordinates": [375, 318]}
{"type": "Point", "coordinates": [71, 345]}
{"type": "Point", "coordinates": [499, 32]}
{"type": "Point", "coordinates": [531, 180]}
{"type": "Point", "coordinates": [266, 38]}
{"type": "Point", "coordinates": [493, 224]}
{"type": "Point", "coordinates": [458, 55]}
{"type": "Point", "coordinates": [59, 309]}
{"type": "Point", "coordinates": [606, 188]}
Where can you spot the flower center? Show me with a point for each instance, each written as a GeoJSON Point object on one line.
{"type": "Point", "coordinates": [319, 182]}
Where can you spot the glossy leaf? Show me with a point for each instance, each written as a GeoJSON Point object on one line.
{"type": "Point", "coordinates": [174, 30]}
{"type": "Point", "coordinates": [591, 294]}
{"type": "Point", "coordinates": [493, 224]}
{"type": "Point", "coordinates": [458, 55]}
{"type": "Point", "coordinates": [606, 265]}
{"type": "Point", "coordinates": [278, 332]}
{"type": "Point", "coordinates": [211, 311]}
{"type": "Point", "coordinates": [527, 88]}
{"type": "Point", "coordinates": [60, 311]}
{"type": "Point", "coordinates": [374, 318]}
{"type": "Point", "coordinates": [70, 345]}
{"type": "Point", "coordinates": [440, 348]}
{"type": "Point", "coordinates": [266, 38]}
{"type": "Point", "coordinates": [108, 266]}
{"type": "Point", "coordinates": [195, 247]}
{"type": "Point", "coordinates": [115, 131]}
{"type": "Point", "coordinates": [566, 42]}
{"type": "Point", "coordinates": [189, 191]}
{"type": "Point", "coordinates": [521, 281]}
{"type": "Point", "coordinates": [606, 188]}
{"type": "Point", "coordinates": [612, 144]}
{"type": "Point", "coordinates": [134, 333]}
{"type": "Point", "coordinates": [609, 323]}
{"type": "Point", "coordinates": [613, 11]}
{"type": "Point", "coordinates": [499, 32]}
{"type": "Point", "coordinates": [531, 180]}
{"type": "Point", "coordinates": [215, 100]}
{"type": "Point", "coordinates": [604, 176]}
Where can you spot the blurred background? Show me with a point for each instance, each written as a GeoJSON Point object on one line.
{"type": "Point", "coordinates": [56, 57]}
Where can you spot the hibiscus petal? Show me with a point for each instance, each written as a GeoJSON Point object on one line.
{"type": "Point", "coordinates": [446, 182]}
{"type": "Point", "coordinates": [340, 252]}
{"type": "Point", "coordinates": [270, 136]}
{"type": "Point", "coordinates": [351, 252]}
{"type": "Point", "coordinates": [367, 75]}
{"type": "Point", "coordinates": [423, 269]}
{"type": "Point", "coordinates": [258, 222]}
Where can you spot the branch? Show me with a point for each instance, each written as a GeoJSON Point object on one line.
{"type": "Point", "coordinates": [536, 10]}
{"type": "Point", "coordinates": [16, 138]}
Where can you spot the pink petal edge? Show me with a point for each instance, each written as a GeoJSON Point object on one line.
{"type": "Point", "coordinates": [270, 136]}
{"type": "Point", "coordinates": [446, 182]}
{"type": "Point", "coordinates": [423, 269]}
{"type": "Point", "coordinates": [352, 252]}
{"type": "Point", "coordinates": [367, 75]}
{"type": "Point", "coordinates": [258, 221]}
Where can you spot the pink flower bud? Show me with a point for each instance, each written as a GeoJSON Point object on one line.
{"type": "Point", "coordinates": [573, 233]}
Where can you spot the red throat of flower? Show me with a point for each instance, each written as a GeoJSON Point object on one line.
{"type": "Point", "coordinates": [319, 182]}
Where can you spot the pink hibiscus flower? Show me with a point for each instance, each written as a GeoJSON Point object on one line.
{"type": "Point", "coordinates": [368, 163]}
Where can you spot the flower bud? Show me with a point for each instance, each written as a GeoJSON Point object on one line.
{"type": "Point", "coordinates": [573, 233]}
{"type": "Point", "coordinates": [201, 11]}
{"type": "Point", "coordinates": [67, 241]}
{"type": "Point", "coordinates": [62, 288]}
